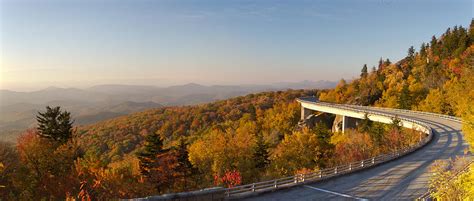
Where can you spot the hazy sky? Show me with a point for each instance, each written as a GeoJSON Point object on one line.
{"type": "Point", "coordinates": [159, 42]}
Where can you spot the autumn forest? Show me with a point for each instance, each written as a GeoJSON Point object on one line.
{"type": "Point", "coordinates": [239, 140]}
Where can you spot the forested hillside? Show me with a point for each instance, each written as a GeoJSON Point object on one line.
{"type": "Point", "coordinates": [276, 112]}
{"type": "Point", "coordinates": [243, 139]}
{"type": "Point", "coordinates": [438, 78]}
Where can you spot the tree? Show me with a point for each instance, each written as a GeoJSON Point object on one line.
{"type": "Point", "coordinates": [377, 132]}
{"type": "Point", "coordinates": [396, 123]}
{"type": "Point", "coordinates": [471, 31]}
{"type": "Point", "coordinates": [55, 124]}
{"type": "Point", "coordinates": [381, 64]}
{"type": "Point", "coordinates": [351, 146]}
{"type": "Point", "coordinates": [46, 168]}
{"type": "Point", "coordinates": [324, 140]}
{"type": "Point", "coordinates": [229, 179]}
{"type": "Point", "coordinates": [120, 180]}
{"type": "Point", "coordinates": [411, 52]}
{"type": "Point", "coordinates": [9, 165]}
{"type": "Point", "coordinates": [221, 150]}
{"type": "Point", "coordinates": [184, 167]}
{"type": "Point", "coordinates": [261, 153]}
{"type": "Point", "coordinates": [423, 49]}
{"type": "Point", "coordinates": [404, 101]}
{"type": "Point", "coordinates": [148, 155]}
{"type": "Point", "coordinates": [365, 124]}
{"type": "Point", "coordinates": [297, 151]}
{"type": "Point", "coordinates": [434, 45]}
{"type": "Point", "coordinates": [436, 101]}
{"type": "Point", "coordinates": [364, 72]}
{"type": "Point", "coordinates": [158, 165]}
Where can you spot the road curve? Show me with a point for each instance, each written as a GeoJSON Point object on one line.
{"type": "Point", "coordinates": [405, 178]}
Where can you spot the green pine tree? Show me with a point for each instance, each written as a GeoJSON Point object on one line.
{"type": "Point", "coordinates": [365, 124]}
{"type": "Point", "coordinates": [423, 49]}
{"type": "Point", "coordinates": [396, 123]}
{"type": "Point", "coordinates": [148, 155]}
{"type": "Point", "coordinates": [404, 101]}
{"type": "Point", "coordinates": [411, 52]}
{"type": "Point", "coordinates": [471, 31]}
{"type": "Point", "coordinates": [185, 168]}
{"type": "Point", "coordinates": [55, 124]}
{"type": "Point", "coordinates": [363, 72]}
{"type": "Point", "coordinates": [377, 132]}
{"type": "Point", "coordinates": [261, 153]}
{"type": "Point", "coordinates": [324, 138]}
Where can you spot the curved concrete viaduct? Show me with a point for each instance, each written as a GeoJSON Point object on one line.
{"type": "Point", "coordinates": [405, 178]}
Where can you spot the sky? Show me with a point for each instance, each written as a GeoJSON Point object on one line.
{"type": "Point", "coordinates": [81, 43]}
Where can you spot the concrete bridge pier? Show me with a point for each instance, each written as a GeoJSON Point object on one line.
{"type": "Point", "coordinates": [305, 112]}
{"type": "Point", "coordinates": [348, 122]}
{"type": "Point", "coordinates": [341, 123]}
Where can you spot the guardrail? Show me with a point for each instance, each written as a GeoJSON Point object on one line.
{"type": "Point", "coordinates": [327, 173]}
{"type": "Point", "coordinates": [443, 116]}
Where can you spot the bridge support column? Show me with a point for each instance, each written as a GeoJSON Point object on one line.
{"type": "Point", "coordinates": [305, 113]}
{"type": "Point", "coordinates": [341, 123]}
{"type": "Point", "coordinates": [348, 122]}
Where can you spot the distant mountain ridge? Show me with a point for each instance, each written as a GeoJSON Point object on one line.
{"type": "Point", "coordinates": [101, 102]}
{"type": "Point", "coordinates": [116, 93]}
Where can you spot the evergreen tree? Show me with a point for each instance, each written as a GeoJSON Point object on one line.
{"type": "Point", "coordinates": [184, 167]}
{"type": "Point", "coordinates": [261, 153]}
{"type": "Point", "coordinates": [365, 124]}
{"type": "Point", "coordinates": [396, 123]}
{"type": "Point", "coordinates": [404, 101]}
{"type": "Point", "coordinates": [423, 50]}
{"type": "Point", "coordinates": [411, 52]}
{"type": "Point", "coordinates": [380, 64]}
{"type": "Point", "coordinates": [324, 140]}
{"type": "Point", "coordinates": [55, 124]}
{"type": "Point", "coordinates": [183, 155]}
{"type": "Point", "coordinates": [377, 132]}
{"type": "Point", "coordinates": [471, 32]}
{"type": "Point", "coordinates": [434, 45]}
{"type": "Point", "coordinates": [364, 72]}
{"type": "Point", "coordinates": [148, 155]}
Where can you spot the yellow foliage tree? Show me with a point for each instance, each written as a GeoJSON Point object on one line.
{"type": "Point", "coordinates": [223, 150]}
{"type": "Point", "coordinates": [297, 151]}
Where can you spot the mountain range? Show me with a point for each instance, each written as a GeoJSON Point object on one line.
{"type": "Point", "coordinates": [101, 102]}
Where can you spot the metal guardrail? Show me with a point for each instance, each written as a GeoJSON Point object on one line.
{"type": "Point", "coordinates": [327, 173]}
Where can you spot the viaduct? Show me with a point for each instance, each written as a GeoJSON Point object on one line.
{"type": "Point", "coordinates": [402, 175]}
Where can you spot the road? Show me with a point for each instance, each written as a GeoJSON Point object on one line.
{"type": "Point", "coordinates": [403, 179]}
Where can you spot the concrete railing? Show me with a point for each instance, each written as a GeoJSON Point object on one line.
{"type": "Point", "coordinates": [443, 116]}
{"type": "Point", "coordinates": [299, 179]}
